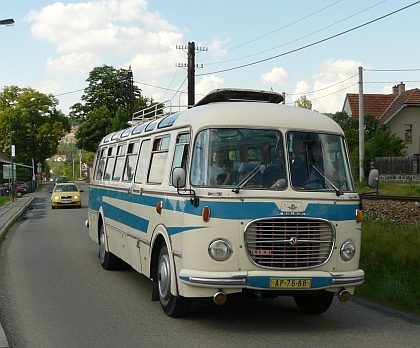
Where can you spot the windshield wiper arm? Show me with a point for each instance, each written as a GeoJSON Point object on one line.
{"type": "Point", "coordinates": [338, 192]}
{"type": "Point", "coordinates": [245, 180]}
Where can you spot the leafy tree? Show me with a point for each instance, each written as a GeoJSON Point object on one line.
{"type": "Point", "coordinates": [304, 103]}
{"type": "Point", "coordinates": [345, 121]}
{"type": "Point", "coordinates": [107, 105]}
{"type": "Point", "coordinates": [36, 125]}
{"type": "Point", "coordinates": [96, 126]}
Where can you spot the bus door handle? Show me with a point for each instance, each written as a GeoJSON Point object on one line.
{"type": "Point", "coordinates": [129, 190]}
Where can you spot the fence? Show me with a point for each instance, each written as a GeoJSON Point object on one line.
{"type": "Point", "coordinates": [398, 169]}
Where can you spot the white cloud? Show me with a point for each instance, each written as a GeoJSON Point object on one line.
{"type": "Point", "coordinates": [276, 77]}
{"type": "Point", "coordinates": [107, 28]}
{"type": "Point", "coordinates": [81, 62]}
{"type": "Point", "coordinates": [206, 85]}
{"type": "Point", "coordinates": [330, 85]}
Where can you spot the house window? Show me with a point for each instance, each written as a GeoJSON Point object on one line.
{"type": "Point", "coordinates": [408, 132]}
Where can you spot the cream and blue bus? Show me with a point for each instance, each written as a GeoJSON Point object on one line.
{"type": "Point", "coordinates": [239, 194]}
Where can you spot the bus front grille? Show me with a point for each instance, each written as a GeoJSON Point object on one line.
{"type": "Point", "coordinates": [289, 242]}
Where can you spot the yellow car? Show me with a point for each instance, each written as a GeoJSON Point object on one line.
{"type": "Point", "coordinates": [66, 195]}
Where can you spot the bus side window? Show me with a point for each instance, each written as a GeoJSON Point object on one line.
{"type": "Point", "coordinates": [100, 164]}
{"type": "Point", "coordinates": [142, 163]}
{"type": "Point", "coordinates": [109, 164]}
{"type": "Point", "coordinates": [158, 160]}
{"type": "Point", "coordinates": [130, 162]}
{"type": "Point", "coordinates": [119, 164]}
{"type": "Point", "coordinates": [181, 151]}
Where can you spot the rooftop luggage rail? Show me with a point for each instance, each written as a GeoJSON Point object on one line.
{"type": "Point", "coordinates": [155, 111]}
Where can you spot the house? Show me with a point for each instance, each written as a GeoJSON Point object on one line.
{"type": "Point", "coordinates": [59, 158]}
{"type": "Point", "coordinates": [399, 112]}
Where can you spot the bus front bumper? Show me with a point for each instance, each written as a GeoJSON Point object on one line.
{"type": "Point", "coordinates": [266, 280]}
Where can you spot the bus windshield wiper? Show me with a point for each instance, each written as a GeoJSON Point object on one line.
{"type": "Point", "coordinates": [338, 192]}
{"type": "Point", "coordinates": [247, 178]}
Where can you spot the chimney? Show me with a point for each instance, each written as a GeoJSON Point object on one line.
{"type": "Point", "coordinates": [394, 89]}
{"type": "Point", "coordinates": [401, 88]}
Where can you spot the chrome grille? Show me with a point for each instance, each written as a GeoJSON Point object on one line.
{"type": "Point", "coordinates": [289, 242]}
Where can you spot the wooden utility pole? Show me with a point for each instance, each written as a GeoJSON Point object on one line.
{"type": "Point", "coordinates": [190, 68]}
{"type": "Point", "coordinates": [191, 73]}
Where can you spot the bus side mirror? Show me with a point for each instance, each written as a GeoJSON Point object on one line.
{"type": "Point", "coordinates": [178, 177]}
{"type": "Point", "coordinates": [373, 179]}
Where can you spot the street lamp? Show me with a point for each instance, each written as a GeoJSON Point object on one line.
{"type": "Point", "coordinates": [7, 22]}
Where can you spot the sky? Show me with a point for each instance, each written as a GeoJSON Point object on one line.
{"type": "Point", "coordinates": [311, 48]}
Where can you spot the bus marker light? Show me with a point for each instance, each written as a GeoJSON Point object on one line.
{"type": "Point", "coordinates": [344, 296]}
{"type": "Point", "coordinates": [220, 298]}
{"type": "Point", "coordinates": [206, 213]}
{"type": "Point", "coordinates": [359, 216]}
{"type": "Point", "coordinates": [159, 207]}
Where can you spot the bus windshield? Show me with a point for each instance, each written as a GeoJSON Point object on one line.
{"type": "Point", "coordinates": [266, 159]}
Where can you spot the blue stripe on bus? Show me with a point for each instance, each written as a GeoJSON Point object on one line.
{"type": "Point", "coordinates": [220, 210]}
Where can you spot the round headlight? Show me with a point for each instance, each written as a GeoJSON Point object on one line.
{"type": "Point", "coordinates": [347, 251]}
{"type": "Point", "coordinates": [220, 250]}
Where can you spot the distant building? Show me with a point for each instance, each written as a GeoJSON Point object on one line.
{"type": "Point", "coordinates": [59, 158]}
{"type": "Point", "coordinates": [399, 112]}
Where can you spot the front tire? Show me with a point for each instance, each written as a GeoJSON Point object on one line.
{"type": "Point", "coordinates": [314, 304]}
{"type": "Point", "coordinates": [108, 260]}
{"type": "Point", "coordinates": [173, 306]}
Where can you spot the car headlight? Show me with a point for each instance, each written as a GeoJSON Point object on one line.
{"type": "Point", "coordinates": [347, 250]}
{"type": "Point", "coordinates": [220, 250]}
{"type": "Point", "coordinates": [75, 197]}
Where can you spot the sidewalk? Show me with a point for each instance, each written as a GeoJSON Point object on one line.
{"type": "Point", "coordinates": [9, 213]}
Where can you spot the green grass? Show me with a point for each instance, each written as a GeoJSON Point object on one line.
{"type": "Point", "coordinates": [388, 188]}
{"type": "Point", "coordinates": [3, 199]}
{"type": "Point", "coordinates": [390, 257]}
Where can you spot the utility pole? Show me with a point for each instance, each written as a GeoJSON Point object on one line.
{"type": "Point", "coordinates": [361, 127]}
{"type": "Point", "coordinates": [130, 102]}
{"type": "Point", "coordinates": [191, 69]}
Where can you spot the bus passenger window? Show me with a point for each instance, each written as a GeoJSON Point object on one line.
{"type": "Point", "coordinates": [130, 162]}
{"type": "Point", "coordinates": [159, 159]}
{"type": "Point", "coordinates": [142, 163]}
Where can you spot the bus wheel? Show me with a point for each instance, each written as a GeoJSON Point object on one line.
{"type": "Point", "coordinates": [108, 260]}
{"type": "Point", "coordinates": [174, 306]}
{"type": "Point", "coordinates": [314, 304]}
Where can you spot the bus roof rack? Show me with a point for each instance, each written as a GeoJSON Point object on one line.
{"type": "Point", "coordinates": [240, 95]}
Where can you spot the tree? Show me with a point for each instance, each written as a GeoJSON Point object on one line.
{"type": "Point", "coordinates": [378, 141]}
{"type": "Point", "coordinates": [345, 121]}
{"type": "Point", "coordinates": [304, 103]}
{"type": "Point", "coordinates": [107, 104]}
{"type": "Point", "coordinates": [36, 125]}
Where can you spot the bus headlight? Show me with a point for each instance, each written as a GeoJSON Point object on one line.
{"type": "Point", "coordinates": [220, 250]}
{"type": "Point", "coordinates": [347, 251]}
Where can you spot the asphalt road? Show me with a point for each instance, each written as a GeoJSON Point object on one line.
{"type": "Point", "coordinates": [54, 293]}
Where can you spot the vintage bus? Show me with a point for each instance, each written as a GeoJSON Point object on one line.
{"type": "Point", "coordinates": [238, 194]}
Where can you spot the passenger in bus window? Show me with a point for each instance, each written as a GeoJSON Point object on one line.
{"type": "Point", "coordinates": [226, 178]}
{"type": "Point", "coordinates": [275, 175]}
{"type": "Point", "coordinates": [299, 164]}
{"type": "Point", "coordinates": [217, 167]}
{"type": "Point", "coordinates": [316, 181]}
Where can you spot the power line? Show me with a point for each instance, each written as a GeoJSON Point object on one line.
{"type": "Point", "coordinates": [302, 37]}
{"type": "Point", "coordinates": [274, 31]}
{"type": "Point", "coordinates": [391, 70]}
{"type": "Point", "coordinates": [314, 43]}
{"type": "Point", "coordinates": [322, 89]}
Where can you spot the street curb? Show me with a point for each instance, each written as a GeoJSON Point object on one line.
{"type": "Point", "coordinates": [14, 217]}
{"type": "Point", "coordinates": [3, 229]}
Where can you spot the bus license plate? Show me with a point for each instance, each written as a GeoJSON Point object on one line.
{"type": "Point", "coordinates": [282, 283]}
